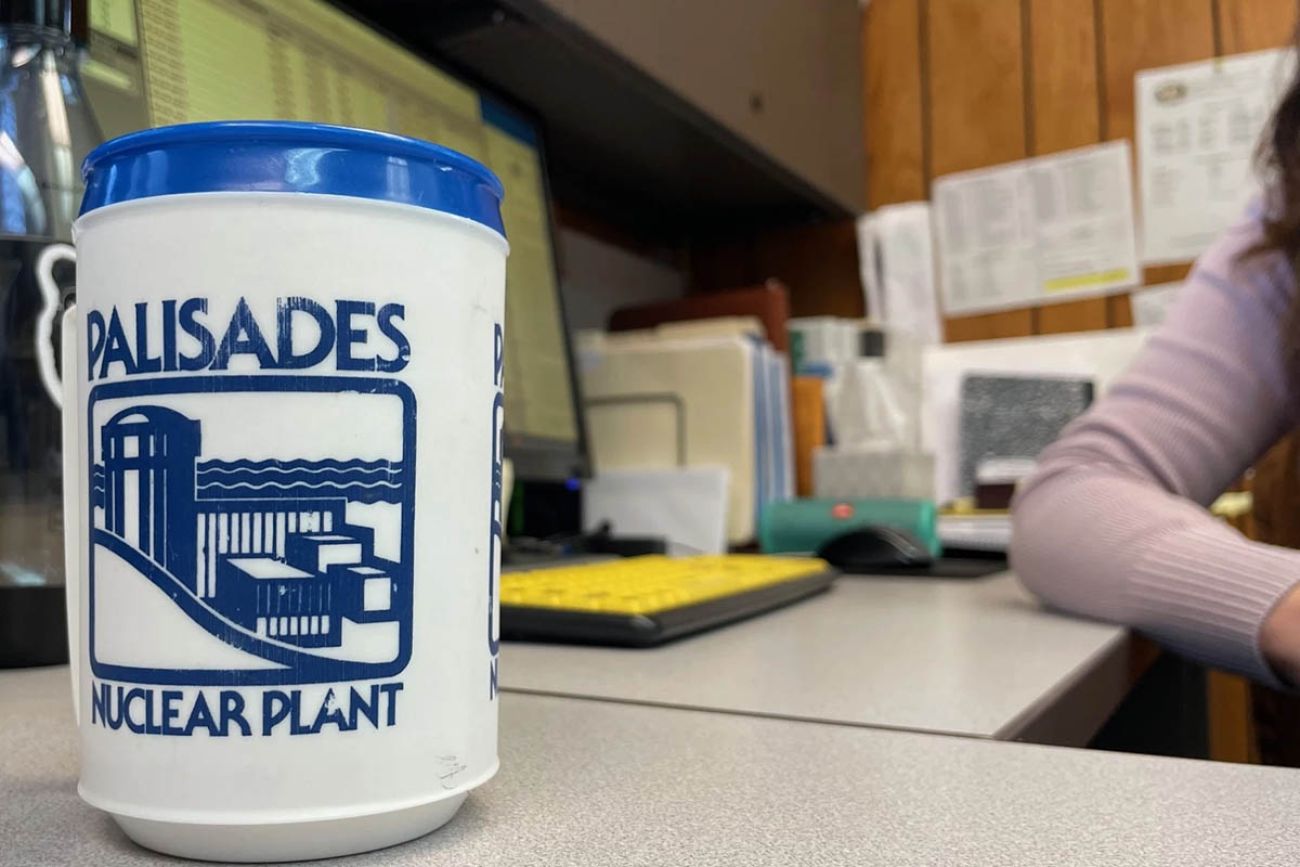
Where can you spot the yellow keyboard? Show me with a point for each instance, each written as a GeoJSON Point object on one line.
{"type": "Point", "coordinates": [648, 599]}
{"type": "Point", "coordinates": [650, 584]}
{"type": "Point", "coordinates": [655, 597]}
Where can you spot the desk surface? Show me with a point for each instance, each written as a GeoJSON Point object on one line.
{"type": "Point", "coordinates": [975, 657]}
{"type": "Point", "coordinates": [586, 782]}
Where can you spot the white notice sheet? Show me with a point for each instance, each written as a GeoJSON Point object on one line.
{"type": "Point", "coordinates": [1198, 125]}
{"type": "Point", "coordinates": [1151, 304]}
{"type": "Point", "coordinates": [1037, 231]}
{"type": "Point", "coordinates": [896, 252]}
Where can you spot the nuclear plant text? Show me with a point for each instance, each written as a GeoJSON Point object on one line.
{"type": "Point", "coordinates": [221, 713]}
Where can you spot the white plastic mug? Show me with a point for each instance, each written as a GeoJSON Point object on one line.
{"type": "Point", "coordinates": [282, 403]}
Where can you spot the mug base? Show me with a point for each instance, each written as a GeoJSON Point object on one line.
{"type": "Point", "coordinates": [291, 841]}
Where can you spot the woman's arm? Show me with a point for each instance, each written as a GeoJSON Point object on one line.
{"type": "Point", "coordinates": [1113, 523]}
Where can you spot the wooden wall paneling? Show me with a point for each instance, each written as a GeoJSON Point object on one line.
{"type": "Point", "coordinates": [989, 326]}
{"type": "Point", "coordinates": [1140, 34]}
{"type": "Point", "coordinates": [976, 84]}
{"type": "Point", "coordinates": [1065, 112]}
{"type": "Point", "coordinates": [1254, 25]}
{"type": "Point", "coordinates": [1065, 108]}
{"type": "Point", "coordinates": [893, 131]}
{"type": "Point", "coordinates": [1086, 314]}
{"type": "Point", "coordinates": [975, 91]}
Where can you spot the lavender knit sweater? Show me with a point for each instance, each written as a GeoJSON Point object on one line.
{"type": "Point", "coordinates": [1114, 526]}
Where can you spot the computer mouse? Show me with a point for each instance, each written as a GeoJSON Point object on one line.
{"type": "Point", "coordinates": [875, 548]}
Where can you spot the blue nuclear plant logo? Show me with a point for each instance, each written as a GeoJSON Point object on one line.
{"type": "Point", "coordinates": [276, 558]}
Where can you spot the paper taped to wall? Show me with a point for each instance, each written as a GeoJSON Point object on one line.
{"type": "Point", "coordinates": [896, 252]}
{"type": "Point", "coordinates": [1151, 304]}
{"type": "Point", "coordinates": [1198, 125]}
{"type": "Point", "coordinates": [1037, 231]}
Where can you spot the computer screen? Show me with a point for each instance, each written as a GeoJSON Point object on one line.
{"type": "Point", "coordinates": [157, 62]}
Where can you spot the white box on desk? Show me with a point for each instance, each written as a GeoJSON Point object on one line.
{"type": "Point", "coordinates": [850, 473]}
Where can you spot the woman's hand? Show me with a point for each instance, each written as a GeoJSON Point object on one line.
{"type": "Point", "coordinates": [1279, 638]}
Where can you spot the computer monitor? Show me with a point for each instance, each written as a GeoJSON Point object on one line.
{"type": "Point", "coordinates": [156, 63]}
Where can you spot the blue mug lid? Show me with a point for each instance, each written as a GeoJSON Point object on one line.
{"type": "Point", "coordinates": [290, 157]}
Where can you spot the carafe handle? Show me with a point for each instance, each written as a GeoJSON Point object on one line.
{"type": "Point", "coordinates": [51, 296]}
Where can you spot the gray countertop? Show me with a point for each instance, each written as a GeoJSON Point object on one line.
{"type": "Point", "coordinates": [586, 782]}
{"type": "Point", "coordinates": [975, 657]}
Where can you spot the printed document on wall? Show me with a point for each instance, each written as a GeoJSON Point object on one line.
{"type": "Point", "coordinates": [1151, 304]}
{"type": "Point", "coordinates": [896, 252]}
{"type": "Point", "coordinates": [1198, 125]}
{"type": "Point", "coordinates": [1037, 231]}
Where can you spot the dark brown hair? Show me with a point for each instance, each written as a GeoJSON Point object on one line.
{"type": "Point", "coordinates": [1279, 161]}
{"type": "Point", "coordinates": [1279, 164]}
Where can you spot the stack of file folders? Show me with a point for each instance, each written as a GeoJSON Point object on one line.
{"type": "Point", "coordinates": [710, 392]}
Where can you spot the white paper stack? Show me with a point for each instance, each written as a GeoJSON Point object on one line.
{"type": "Point", "coordinates": [687, 506]}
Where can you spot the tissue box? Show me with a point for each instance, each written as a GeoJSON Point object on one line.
{"type": "Point", "coordinates": [844, 473]}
